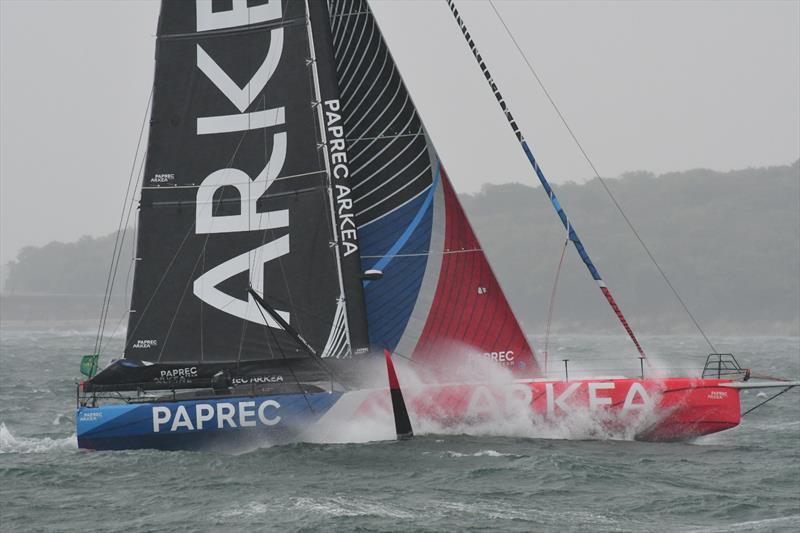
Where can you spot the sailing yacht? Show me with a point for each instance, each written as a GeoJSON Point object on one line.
{"type": "Point", "coordinates": [295, 221]}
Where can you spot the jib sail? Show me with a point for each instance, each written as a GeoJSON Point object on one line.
{"type": "Point", "coordinates": [438, 297]}
{"type": "Point", "coordinates": [237, 193]}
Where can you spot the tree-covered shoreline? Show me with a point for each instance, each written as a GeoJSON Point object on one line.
{"type": "Point", "coordinates": [729, 241]}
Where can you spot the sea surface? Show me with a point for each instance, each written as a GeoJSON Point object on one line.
{"type": "Point", "coordinates": [745, 479]}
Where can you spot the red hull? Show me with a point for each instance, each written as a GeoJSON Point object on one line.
{"type": "Point", "coordinates": [669, 409]}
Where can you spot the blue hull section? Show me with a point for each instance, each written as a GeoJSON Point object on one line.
{"type": "Point", "coordinates": [228, 424]}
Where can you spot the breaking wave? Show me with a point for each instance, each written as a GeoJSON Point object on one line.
{"type": "Point", "coordinates": [789, 523]}
{"type": "Point", "coordinates": [11, 444]}
{"type": "Point", "coordinates": [331, 507]}
{"type": "Point", "coordinates": [482, 453]}
{"type": "Point", "coordinates": [336, 506]}
{"type": "Point", "coordinates": [495, 407]}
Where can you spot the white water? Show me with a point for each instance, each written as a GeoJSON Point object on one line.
{"type": "Point", "coordinates": [11, 444]}
{"type": "Point", "coordinates": [745, 479]}
{"type": "Point", "coordinates": [511, 416]}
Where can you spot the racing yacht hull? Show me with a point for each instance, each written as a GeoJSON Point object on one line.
{"type": "Point", "coordinates": [671, 409]}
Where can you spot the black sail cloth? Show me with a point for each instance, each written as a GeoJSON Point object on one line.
{"type": "Point", "coordinates": [236, 194]}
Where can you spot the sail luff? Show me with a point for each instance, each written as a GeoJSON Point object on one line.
{"type": "Point", "coordinates": [562, 215]}
{"type": "Point", "coordinates": [326, 158]}
{"type": "Point", "coordinates": [334, 149]}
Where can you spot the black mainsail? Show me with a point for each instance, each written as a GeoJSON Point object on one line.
{"type": "Point", "coordinates": [237, 194]}
{"type": "Point", "coordinates": [285, 158]}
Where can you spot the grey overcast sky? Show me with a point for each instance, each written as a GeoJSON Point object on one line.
{"type": "Point", "coordinates": [656, 86]}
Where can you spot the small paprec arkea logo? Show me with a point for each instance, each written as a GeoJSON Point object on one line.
{"type": "Point", "coordinates": [162, 178]}
{"type": "Point", "coordinates": [254, 380]}
{"type": "Point", "coordinates": [145, 344]}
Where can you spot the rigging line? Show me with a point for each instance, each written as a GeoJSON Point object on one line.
{"type": "Point", "coordinates": [201, 256]}
{"type": "Point", "coordinates": [123, 227]}
{"type": "Point", "coordinates": [189, 232]}
{"type": "Point", "coordinates": [418, 134]}
{"type": "Point", "coordinates": [354, 13]}
{"type": "Point", "coordinates": [767, 400]}
{"type": "Point", "coordinates": [119, 253]}
{"type": "Point", "coordinates": [425, 364]}
{"type": "Point", "coordinates": [268, 160]}
{"type": "Point", "coordinates": [280, 260]}
{"type": "Point", "coordinates": [291, 302]}
{"type": "Point", "coordinates": [249, 206]}
{"type": "Point", "coordinates": [562, 215]}
{"type": "Point", "coordinates": [421, 254]}
{"type": "Point", "coordinates": [408, 358]}
{"type": "Point", "coordinates": [171, 187]}
{"type": "Point", "coordinates": [600, 178]}
{"type": "Point", "coordinates": [288, 365]}
{"type": "Point", "coordinates": [178, 308]}
{"type": "Point", "coordinates": [127, 284]}
{"type": "Point", "coordinates": [106, 297]}
{"type": "Point", "coordinates": [241, 342]}
{"type": "Point", "coordinates": [551, 306]}
{"type": "Point", "coordinates": [296, 337]}
{"type": "Point", "coordinates": [305, 310]}
{"type": "Point", "coordinates": [202, 306]}
{"type": "Point", "coordinates": [104, 319]}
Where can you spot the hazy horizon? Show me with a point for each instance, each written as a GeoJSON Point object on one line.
{"type": "Point", "coordinates": [727, 214]}
{"type": "Point", "coordinates": [654, 86]}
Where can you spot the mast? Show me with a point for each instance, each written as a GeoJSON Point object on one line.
{"type": "Point", "coordinates": [346, 247]}
{"type": "Point", "coordinates": [562, 215]}
{"type": "Point", "coordinates": [326, 157]}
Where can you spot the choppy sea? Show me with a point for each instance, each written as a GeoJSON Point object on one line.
{"type": "Point", "coordinates": [745, 479]}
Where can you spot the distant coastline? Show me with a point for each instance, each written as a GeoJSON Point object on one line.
{"type": "Point", "coordinates": [730, 242]}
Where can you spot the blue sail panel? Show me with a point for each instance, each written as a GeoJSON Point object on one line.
{"type": "Point", "coordinates": [396, 244]}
